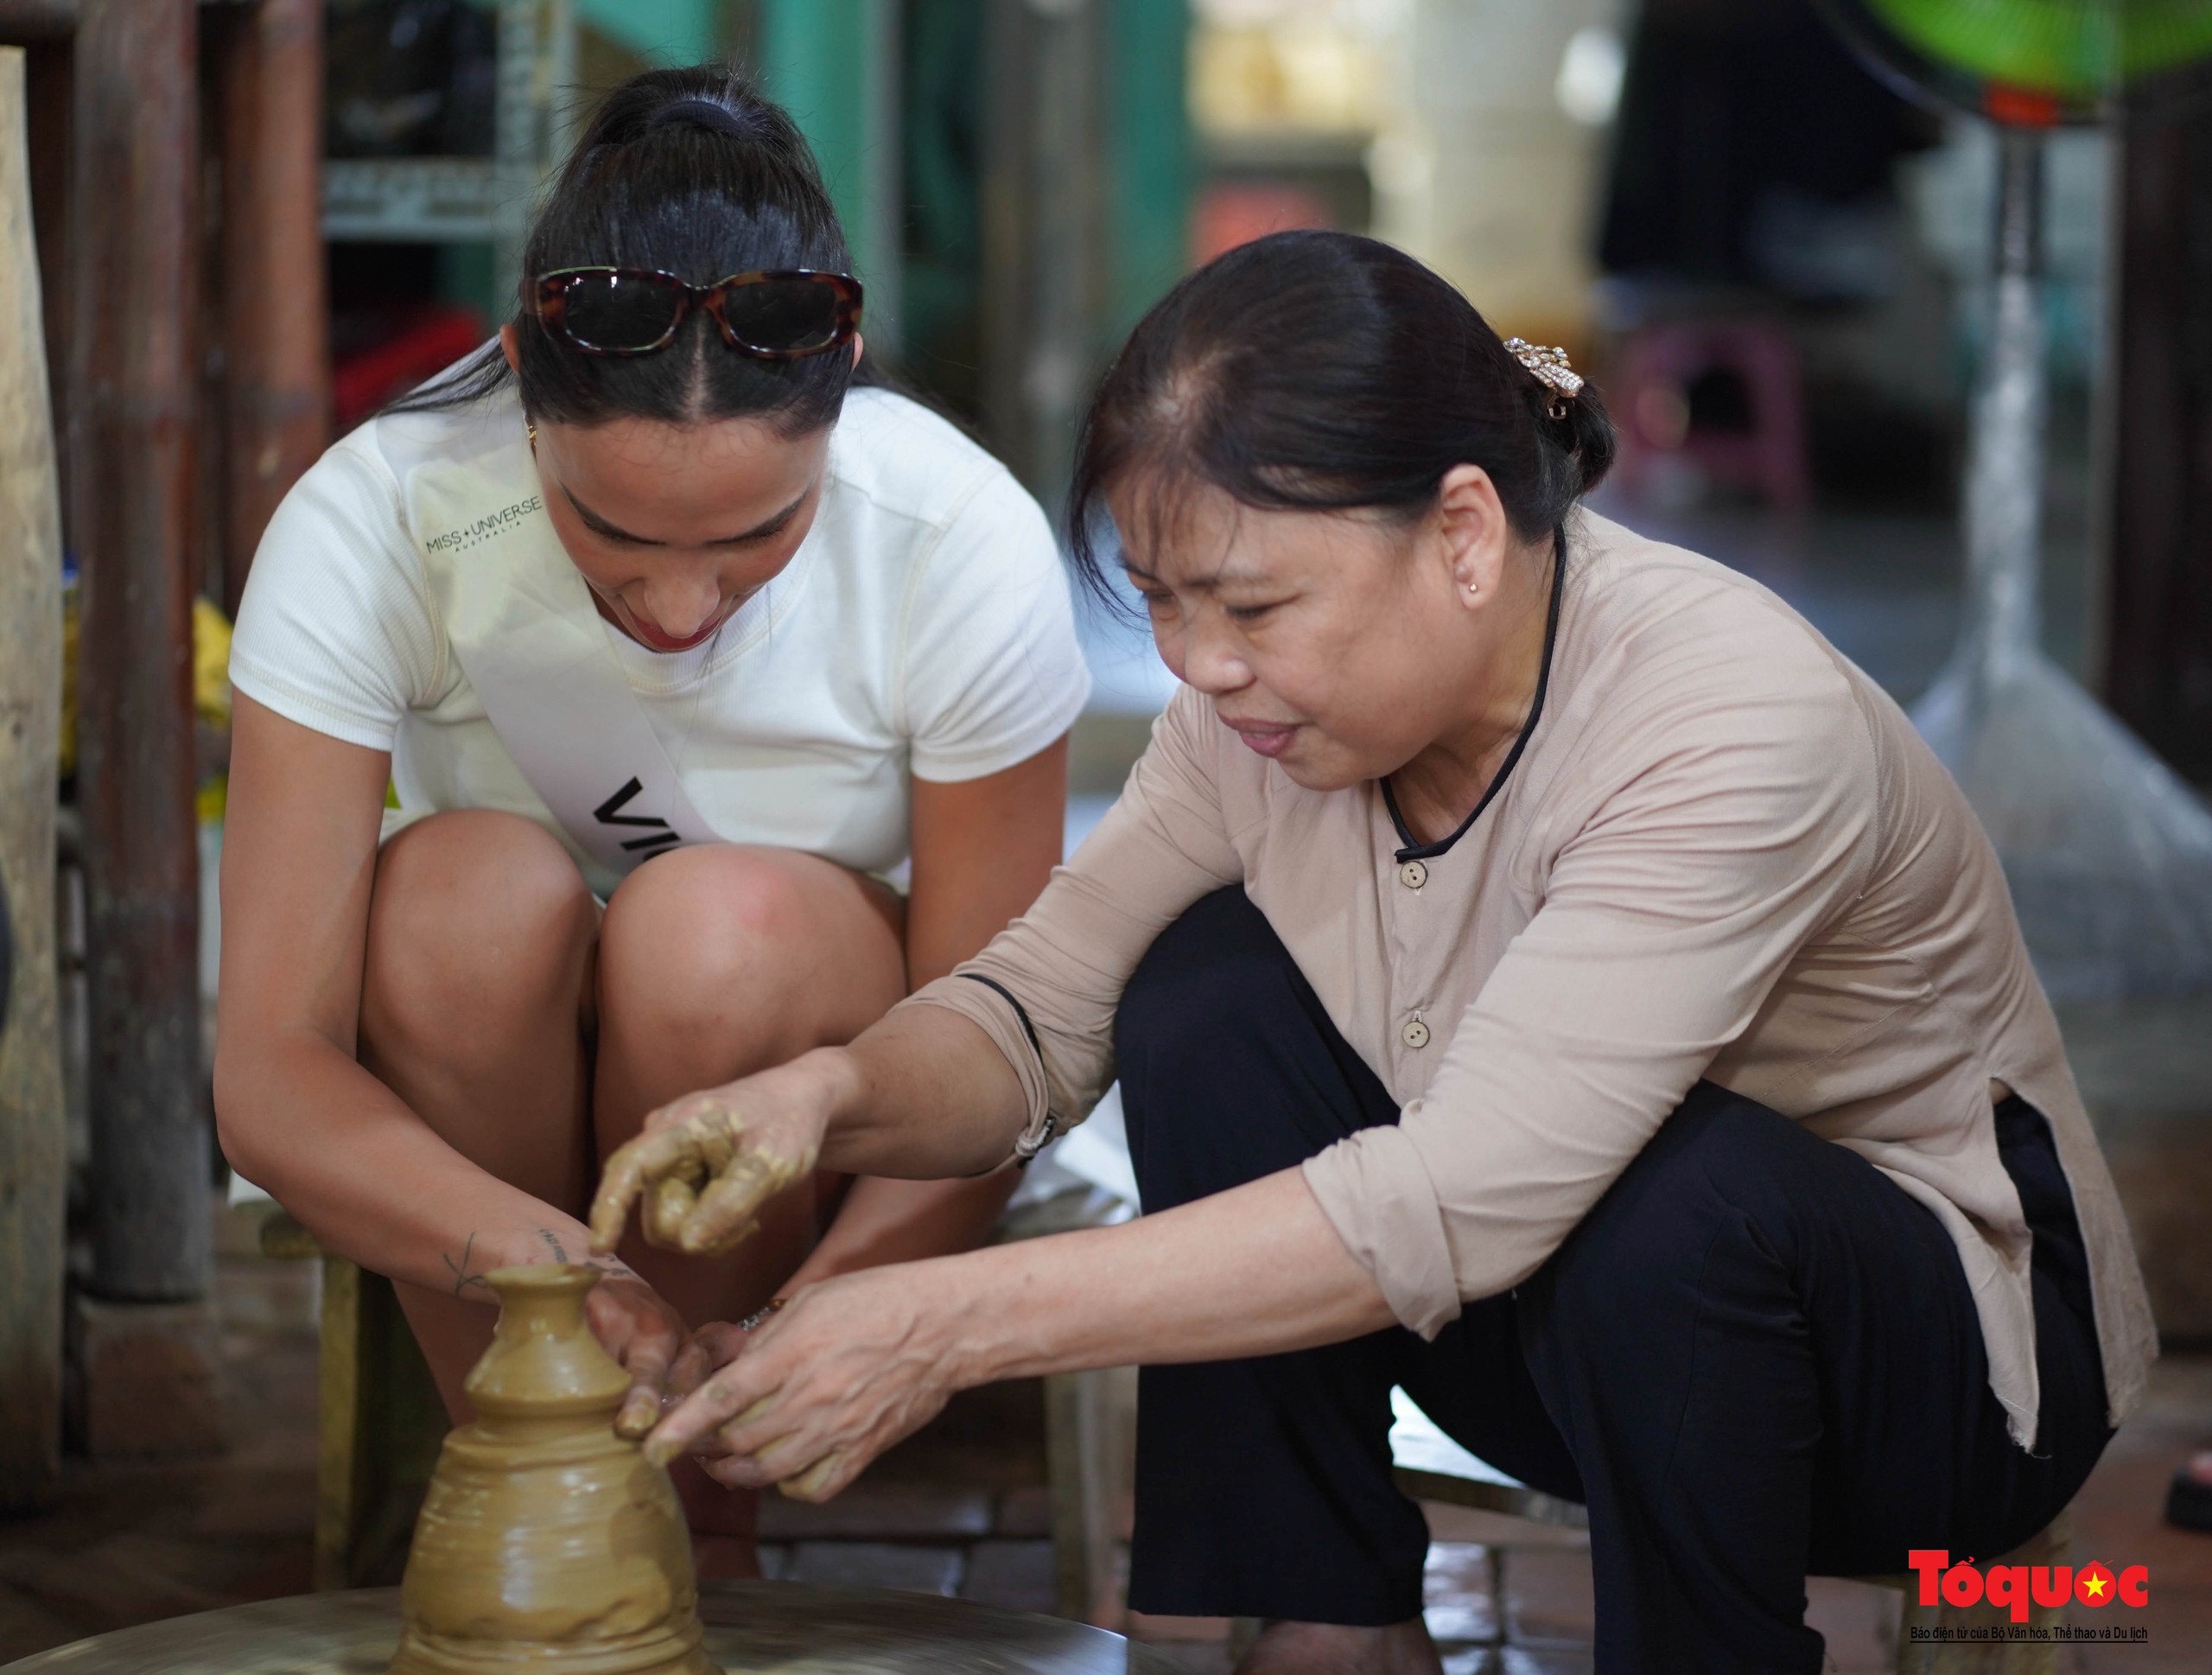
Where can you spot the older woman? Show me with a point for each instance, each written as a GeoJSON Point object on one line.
{"type": "Point", "coordinates": [1542, 973]}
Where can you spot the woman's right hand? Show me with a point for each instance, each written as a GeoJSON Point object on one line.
{"type": "Point", "coordinates": [708, 1161]}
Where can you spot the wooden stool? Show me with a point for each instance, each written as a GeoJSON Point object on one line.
{"type": "Point", "coordinates": [1088, 1422]}
{"type": "Point", "coordinates": [1430, 1465]}
{"type": "Point", "coordinates": [379, 1422]}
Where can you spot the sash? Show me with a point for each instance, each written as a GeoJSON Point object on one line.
{"type": "Point", "coordinates": [520, 619]}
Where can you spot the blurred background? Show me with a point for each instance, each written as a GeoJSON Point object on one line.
{"type": "Point", "coordinates": [251, 222]}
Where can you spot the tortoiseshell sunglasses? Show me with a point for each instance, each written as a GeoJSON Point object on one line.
{"type": "Point", "coordinates": [778, 314]}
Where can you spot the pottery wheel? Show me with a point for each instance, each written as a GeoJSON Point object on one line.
{"type": "Point", "coordinates": [793, 1628]}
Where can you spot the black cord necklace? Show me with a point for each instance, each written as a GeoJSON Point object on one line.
{"type": "Point", "coordinates": [1412, 849]}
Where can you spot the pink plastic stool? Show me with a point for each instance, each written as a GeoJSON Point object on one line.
{"type": "Point", "coordinates": [1650, 397]}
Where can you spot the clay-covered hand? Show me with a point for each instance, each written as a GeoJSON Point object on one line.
{"type": "Point", "coordinates": [706, 1163]}
{"type": "Point", "coordinates": [853, 1364]}
{"type": "Point", "coordinates": [643, 1333]}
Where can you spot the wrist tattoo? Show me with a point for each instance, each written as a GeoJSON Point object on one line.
{"type": "Point", "coordinates": [462, 1278]}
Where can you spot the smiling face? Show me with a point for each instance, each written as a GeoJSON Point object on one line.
{"type": "Point", "coordinates": [1341, 645]}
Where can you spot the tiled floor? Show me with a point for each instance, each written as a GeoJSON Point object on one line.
{"type": "Point", "coordinates": [962, 1510]}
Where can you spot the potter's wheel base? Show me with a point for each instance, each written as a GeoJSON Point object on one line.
{"type": "Point", "coordinates": [753, 1628]}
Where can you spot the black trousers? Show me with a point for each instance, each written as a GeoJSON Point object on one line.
{"type": "Point", "coordinates": [1755, 1358]}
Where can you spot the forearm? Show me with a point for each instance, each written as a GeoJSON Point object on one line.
{"type": "Point", "coordinates": [1256, 1270]}
{"type": "Point", "coordinates": [370, 1180]}
{"type": "Point", "coordinates": [923, 1095]}
{"type": "Point", "coordinates": [859, 1362]}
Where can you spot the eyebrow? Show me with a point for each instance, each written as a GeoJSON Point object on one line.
{"type": "Point", "coordinates": [598, 525]}
{"type": "Point", "coordinates": [1224, 577]}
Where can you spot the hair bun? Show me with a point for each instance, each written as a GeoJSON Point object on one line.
{"type": "Point", "coordinates": [705, 113]}
{"type": "Point", "coordinates": [1591, 441]}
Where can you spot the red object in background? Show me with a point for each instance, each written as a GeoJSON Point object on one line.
{"type": "Point", "coordinates": [2019, 107]}
{"type": "Point", "coordinates": [430, 341]}
{"type": "Point", "coordinates": [1232, 215]}
{"type": "Point", "coordinates": [1649, 395]}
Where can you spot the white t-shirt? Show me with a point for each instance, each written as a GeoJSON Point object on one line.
{"type": "Point", "coordinates": [924, 629]}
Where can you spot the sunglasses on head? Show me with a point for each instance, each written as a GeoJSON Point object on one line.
{"type": "Point", "coordinates": [781, 315]}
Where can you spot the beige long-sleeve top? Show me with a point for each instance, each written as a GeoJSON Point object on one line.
{"type": "Point", "coordinates": [1724, 853]}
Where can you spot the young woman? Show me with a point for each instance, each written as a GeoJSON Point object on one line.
{"type": "Point", "coordinates": [1542, 973]}
{"type": "Point", "coordinates": [672, 637]}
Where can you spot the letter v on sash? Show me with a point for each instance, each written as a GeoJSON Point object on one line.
{"type": "Point", "coordinates": [608, 814]}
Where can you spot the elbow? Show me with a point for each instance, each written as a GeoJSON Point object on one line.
{"type": "Point", "coordinates": [241, 1129]}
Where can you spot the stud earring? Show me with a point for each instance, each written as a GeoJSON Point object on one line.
{"type": "Point", "coordinates": [1474, 587]}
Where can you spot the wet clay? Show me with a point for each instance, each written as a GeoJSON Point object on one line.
{"type": "Point", "coordinates": [546, 1541]}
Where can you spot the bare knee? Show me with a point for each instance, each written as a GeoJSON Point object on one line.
{"type": "Point", "coordinates": [735, 957]}
{"type": "Point", "coordinates": [478, 922]}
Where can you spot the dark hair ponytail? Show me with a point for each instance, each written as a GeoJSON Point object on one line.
{"type": "Point", "coordinates": [1322, 371]}
{"type": "Point", "coordinates": [692, 171]}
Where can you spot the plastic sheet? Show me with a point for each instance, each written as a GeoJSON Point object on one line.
{"type": "Point", "coordinates": [2108, 852]}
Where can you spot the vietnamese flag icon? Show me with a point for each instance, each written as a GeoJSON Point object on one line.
{"type": "Point", "coordinates": [2092, 1585]}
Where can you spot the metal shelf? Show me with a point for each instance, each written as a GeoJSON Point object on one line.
{"type": "Point", "coordinates": [407, 199]}
{"type": "Point", "coordinates": [464, 199]}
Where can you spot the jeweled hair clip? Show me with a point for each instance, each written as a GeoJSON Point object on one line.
{"type": "Point", "coordinates": [1552, 369]}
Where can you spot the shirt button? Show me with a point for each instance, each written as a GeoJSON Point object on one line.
{"type": "Point", "coordinates": [1415, 1033]}
{"type": "Point", "coordinates": [1413, 874]}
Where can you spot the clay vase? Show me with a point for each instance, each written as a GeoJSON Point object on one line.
{"type": "Point", "coordinates": [547, 1542]}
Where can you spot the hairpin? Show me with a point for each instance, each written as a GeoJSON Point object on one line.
{"type": "Point", "coordinates": [1552, 369]}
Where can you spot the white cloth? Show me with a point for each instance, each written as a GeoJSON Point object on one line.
{"type": "Point", "coordinates": [924, 627]}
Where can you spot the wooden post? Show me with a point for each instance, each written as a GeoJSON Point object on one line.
{"type": "Point", "coordinates": [33, 1143]}
{"type": "Point", "coordinates": [2157, 656]}
{"type": "Point", "coordinates": [49, 80]}
{"type": "Point", "coordinates": [134, 259]}
{"type": "Point", "coordinates": [275, 312]}
{"type": "Point", "coordinates": [45, 28]}
{"type": "Point", "coordinates": [23, 22]}
{"type": "Point", "coordinates": [1044, 262]}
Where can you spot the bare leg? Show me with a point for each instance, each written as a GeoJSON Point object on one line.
{"type": "Point", "coordinates": [474, 1005]}
{"type": "Point", "coordinates": [716, 962]}
{"type": "Point", "coordinates": [1326, 1648]}
{"type": "Point", "coordinates": [487, 970]}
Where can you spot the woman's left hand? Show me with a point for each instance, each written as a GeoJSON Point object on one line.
{"type": "Point", "coordinates": [848, 1367]}
{"type": "Point", "coordinates": [636, 1326]}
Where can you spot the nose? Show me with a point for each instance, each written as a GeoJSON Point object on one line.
{"type": "Point", "coordinates": [680, 604]}
{"type": "Point", "coordinates": [1209, 659]}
